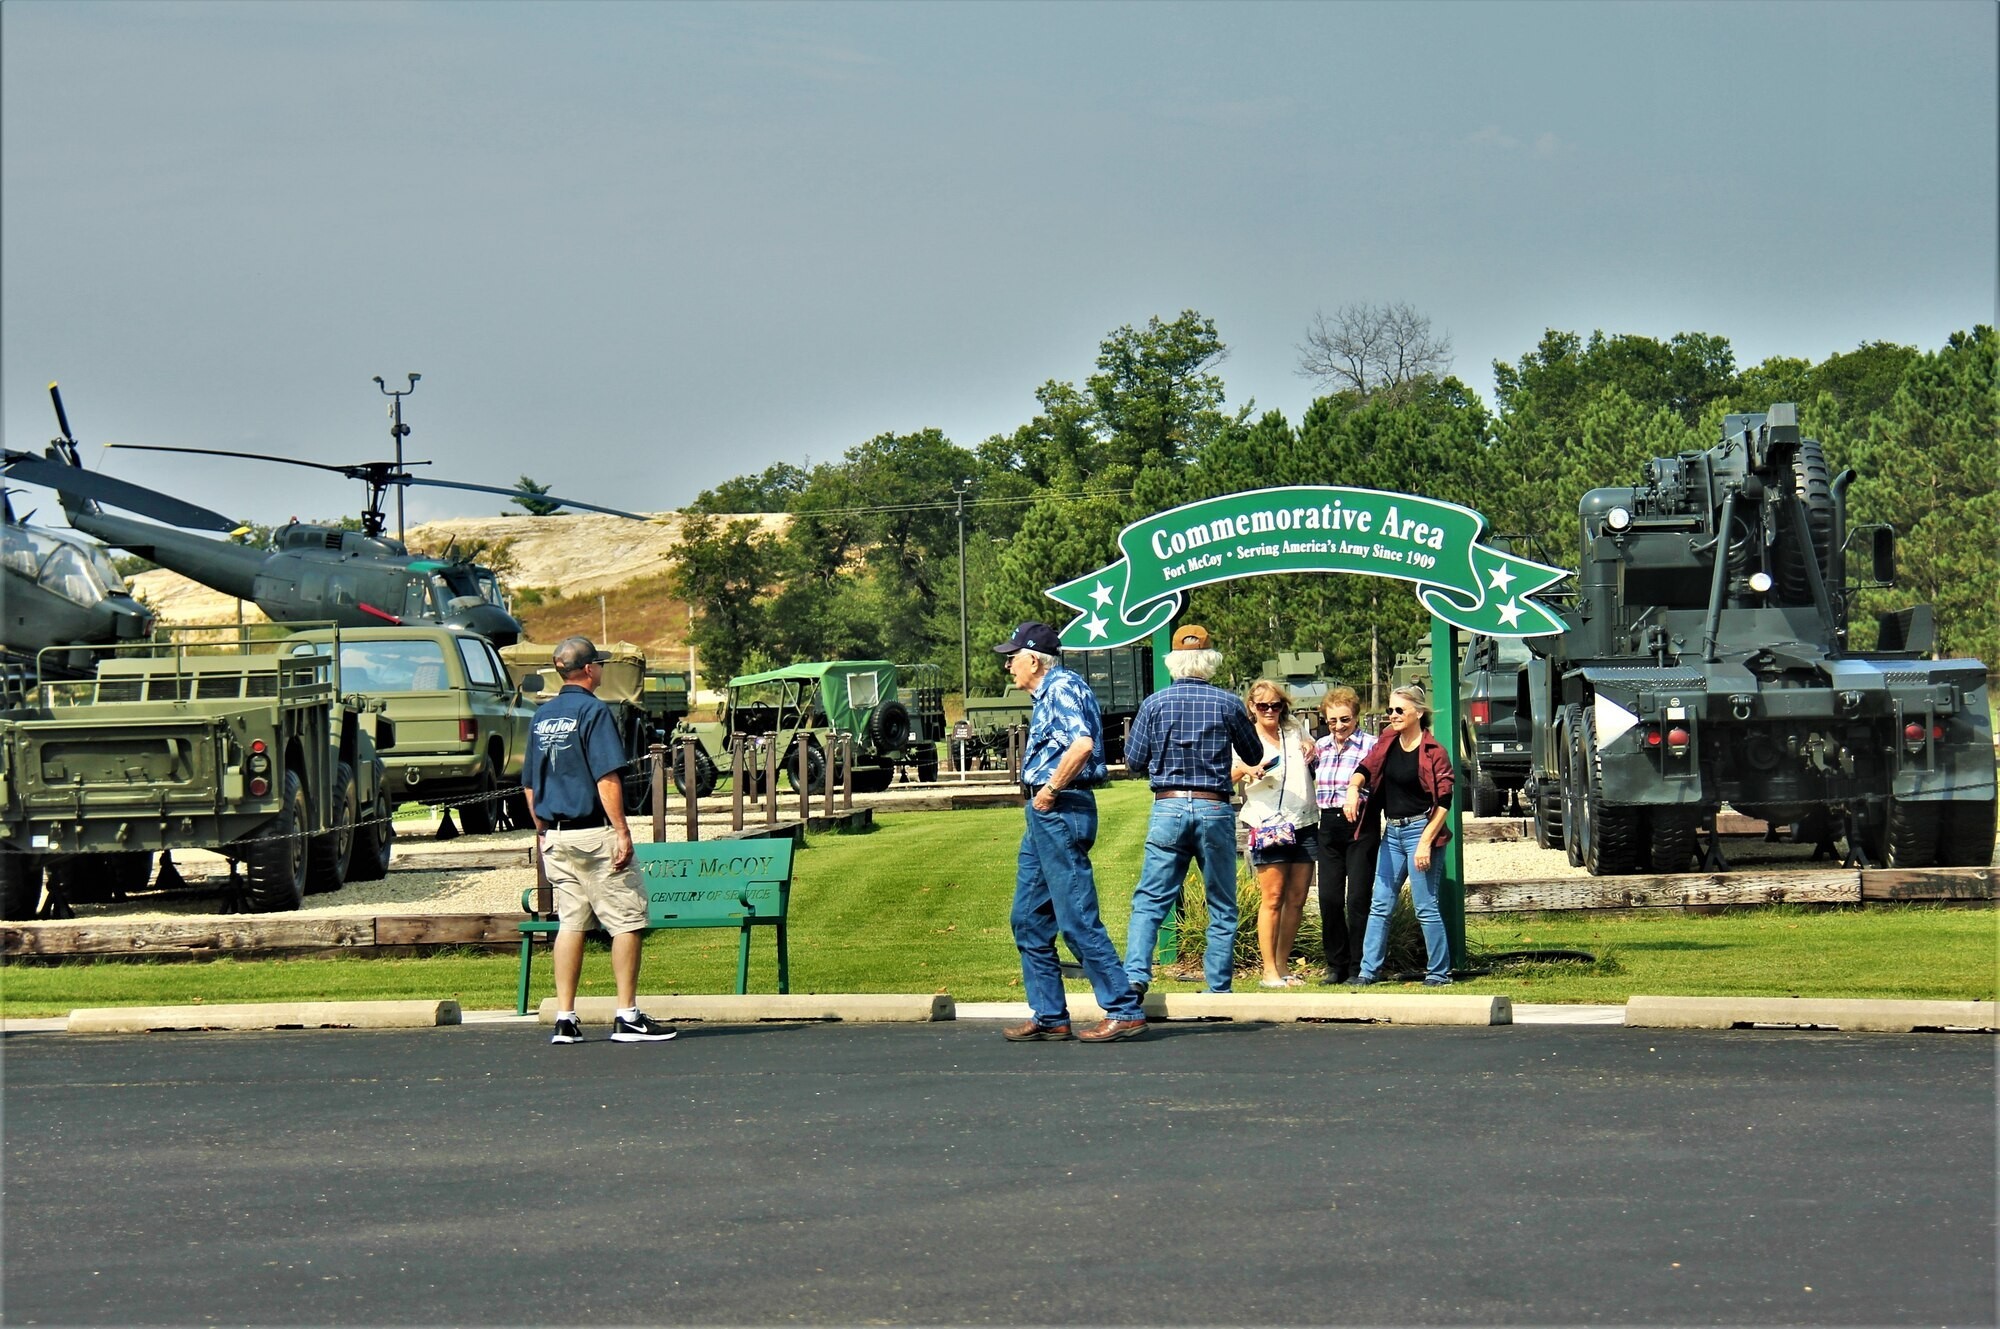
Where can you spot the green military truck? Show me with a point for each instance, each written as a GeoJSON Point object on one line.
{"type": "Point", "coordinates": [461, 721]}
{"type": "Point", "coordinates": [649, 704]}
{"type": "Point", "coordinates": [233, 745]}
{"type": "Point", "coordinates": [893, 715]}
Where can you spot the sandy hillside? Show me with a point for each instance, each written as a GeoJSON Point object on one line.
{"type": "Point", "coordinates": [571, 554]}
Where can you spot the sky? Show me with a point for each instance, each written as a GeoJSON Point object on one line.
{"type": "Point", "coordinates": [636, 249]}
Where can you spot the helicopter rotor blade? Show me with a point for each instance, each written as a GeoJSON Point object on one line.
{"type": "Point", "coordinates": [67, 479]}
{"type": "Point", "coordinates": [522, 493]}
{"type": "Point", "coordinates": [358, 471]}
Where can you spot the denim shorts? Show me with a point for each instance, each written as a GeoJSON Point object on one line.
{"type": "Point", "coordinates": [1303, 850]}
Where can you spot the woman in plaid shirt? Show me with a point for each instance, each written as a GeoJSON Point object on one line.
{"type": "Point", "coordinates": [1346, 851]}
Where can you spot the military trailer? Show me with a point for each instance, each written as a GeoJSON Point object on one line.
{"type": "Point", "coordinates": [235, 746]}
{"type": "Point", "coordinates": [1705, 661]}
{"type": "Point", "coordinates": [650, 704]}
{"type": "Point", "coordinates": [814, 705]}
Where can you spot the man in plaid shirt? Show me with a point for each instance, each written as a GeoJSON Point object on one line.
{"type": "Point", "coordinates": [1181, 739]}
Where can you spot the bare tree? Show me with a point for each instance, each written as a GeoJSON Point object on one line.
{"type": "Point", "coordinates": [1367, 349]}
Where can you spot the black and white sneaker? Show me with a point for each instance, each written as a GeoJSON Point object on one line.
{"type": "Point", "coordinates": [641, 1030]}
{"type": "Point", "coordinates": [567, 1031]}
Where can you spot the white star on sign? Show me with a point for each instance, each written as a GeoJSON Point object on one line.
{"type": "Point", "coordinates": [1510, 614]}
{"type": "Point", "coordinates": [1501, 579]}
{"type": "Point", "coordinates": [1096, 626]}
{"type": "Point", "coordinates": [1101, 595]}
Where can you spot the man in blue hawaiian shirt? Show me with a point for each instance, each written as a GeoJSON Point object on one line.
{"type": "Point", "coordinates": [1054, 890]}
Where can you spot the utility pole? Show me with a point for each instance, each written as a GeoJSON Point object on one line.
{"type": "Point", "coordinates": [398, 431]}
{"type": "Point", "coordinates": [961, 488]}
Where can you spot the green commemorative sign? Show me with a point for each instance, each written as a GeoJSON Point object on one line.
{"type": "Point", "coordinates": [1308, 528]}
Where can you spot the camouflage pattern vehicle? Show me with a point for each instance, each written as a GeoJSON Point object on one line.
{"type": "Point", "coordinates": [240, 746]}
{"type": "Point", "coordinates": [1705, 661]}
{"type": "Point", "coordinates": [650, 703]}
{"type": "Point", "coordinates": [809, 705]}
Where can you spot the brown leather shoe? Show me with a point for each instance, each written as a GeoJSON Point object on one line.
{"type": "Point", "coordinates": [1035, 1033]}
{"type": "Point", "coordinates": [1111, 1029]}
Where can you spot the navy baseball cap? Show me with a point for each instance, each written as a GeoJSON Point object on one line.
{"type": "Point", "coordinates": [1032, 637]}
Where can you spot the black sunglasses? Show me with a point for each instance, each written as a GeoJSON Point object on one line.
{"type": "Point", "coordinates": [1399, 710]}
{"type": "Point", "coordinates": [1269, 705]}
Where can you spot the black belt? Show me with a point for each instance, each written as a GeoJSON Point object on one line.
{"type": "Point", "coordinates": [1405, 821]}
{"type": "Point", "coordinates": [1080, 787]}
{"type": "Point", "coordinates": [1206, 795]}
{"type": "Point", "coordinates": [578, 823]}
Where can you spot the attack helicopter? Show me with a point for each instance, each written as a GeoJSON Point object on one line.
{"type": "Point", "coordinates": [57, 589]}
{"type": "Point", "coordinates": [311, 572]}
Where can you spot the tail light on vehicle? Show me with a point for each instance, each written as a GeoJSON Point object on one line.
{"type": "Point", "coordinates": [1481, 712]}
{"type": "Point", "coordinates": [468, 730]}
{"type": "Point", "coordinates": [1677, 741]}
{"type": "Point", "coordinates": [1913, 735]}
{"type": "Point", "coordinates": [259, 787]}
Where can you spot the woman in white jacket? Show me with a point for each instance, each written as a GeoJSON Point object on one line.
{"type": "Point", "coordinates": [1277, 793]}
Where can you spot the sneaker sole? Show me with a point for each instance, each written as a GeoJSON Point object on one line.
{"type": "Point", "coordinates": [1039, 1037]}
{"type": "Point", "coordinates": [644, 1038]}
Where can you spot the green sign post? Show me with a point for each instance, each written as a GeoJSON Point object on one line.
{"type": "Point", "coordinates": [1463, 583]}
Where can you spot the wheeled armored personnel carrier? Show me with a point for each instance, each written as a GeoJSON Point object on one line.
{"type": "Point", "coordinates": [1705, 661]}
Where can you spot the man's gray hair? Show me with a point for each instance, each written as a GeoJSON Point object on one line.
{"type": "Point", "coordinates": [1200, 664]}
{"type": "Point", "coordinates": [1045, 660]}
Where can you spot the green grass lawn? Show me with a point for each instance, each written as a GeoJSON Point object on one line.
{"type": "Point", "coordinates": [921, 903]}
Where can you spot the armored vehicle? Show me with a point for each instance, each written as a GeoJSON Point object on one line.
{"type": "Point", "coordinates": [236, 746]}
{"type": "Point", "coordinates": [1495, 730]}
{"type": "Point", "coordinates": [809, 704]}
{"type": "Point", "coordinates": [1705, 660]}
{"type": "Point", "coordinates": [461, 723]}
{"type": "Point", "coordinates": [649, 703]}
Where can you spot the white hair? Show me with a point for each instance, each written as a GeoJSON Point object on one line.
{"type": "Point", "coordinates": [1045, 660]}
{"type": "Point", "coordinates": [1193, 664]}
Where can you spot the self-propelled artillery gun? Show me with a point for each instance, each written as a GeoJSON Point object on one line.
{"type": "Point", "coordinates": [1705, 661]}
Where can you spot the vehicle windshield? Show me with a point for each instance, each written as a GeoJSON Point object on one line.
{"type": "Point", "coordinates": [393, 666]}
{"type": "Point", "coordinates": [78, 572]}
{"type": "Point", "coordinates": [1511, 650]}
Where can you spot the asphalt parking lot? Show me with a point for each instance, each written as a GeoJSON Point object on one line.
{"type": "Point", "coordinates": [1209, 1174]}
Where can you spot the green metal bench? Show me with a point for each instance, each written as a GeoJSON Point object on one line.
{"type": "Point", "coordinates": [715, 884]}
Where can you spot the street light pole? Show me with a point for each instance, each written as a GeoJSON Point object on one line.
{"type": "Point", "coordinates": [961, 488]}
{"type": "Point", "coordinates": [398, 431]}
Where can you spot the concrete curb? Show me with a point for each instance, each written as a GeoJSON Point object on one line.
{"type": "Point", "coordinates": [1893, 1017]}
{"type": "Point", "coordinates": [854, 1008]}
{"type": "Point", "coordinates": [275, 1015]}
{"type": "Point", "coordinates": [1289, 1006]}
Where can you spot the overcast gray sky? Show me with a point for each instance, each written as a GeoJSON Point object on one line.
{"type": "Point", "coordinates": [637, 248]}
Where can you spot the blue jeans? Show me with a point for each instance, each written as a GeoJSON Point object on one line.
{"type": "Point", "coordinates": [1184, 830]}
{"type": "Point", "coordinates": [1054, 891]}
{"type": "Point", "coordinates": [1396, 860]}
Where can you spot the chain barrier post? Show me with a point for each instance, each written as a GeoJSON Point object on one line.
{"type": "Point", "coordinates": [739, 772]}
{"type": "Point", "coordinates": [656, 763]}
{"type": "Point", "coordinates": [770, 764]}
{"type": "Point", "coordinates": [690, 777]}
{"type": "Point", "coordinates": [804, 785]}
{"type": "Point", "coordinates": [826, 779]}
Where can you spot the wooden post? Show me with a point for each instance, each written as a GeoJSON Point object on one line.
{"type": "Point", "coordinates": [804, 779]}
{"type": "Point", "coordinates": [690, 777]}
{"type": "Point", "coordinates": [770, 764]}
{"type": "Point", "coordinates": [739, 772]}
{"type": "Point", "coordinates": [656, 761]}
{"type": "Point", "coordinates": [826, 776]}
{"type": "Point", "coordinates": [847, 772]}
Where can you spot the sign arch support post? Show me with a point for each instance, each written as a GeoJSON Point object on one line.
{"type": "Point", "coordinates": [1464, 584]}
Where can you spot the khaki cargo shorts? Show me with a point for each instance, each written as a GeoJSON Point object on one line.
{"type": "Point", "coordinates": [578, 866]}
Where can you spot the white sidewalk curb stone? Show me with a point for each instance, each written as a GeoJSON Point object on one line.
{"type": "Point", "coordinates": [1288, 1006]}
{"type": "Point", "coordinates": [271, 1015]}
{"type": "Point", "coordinates": [1893, 1017]}
{"type": "Point", "coordinates": [857, 1008]}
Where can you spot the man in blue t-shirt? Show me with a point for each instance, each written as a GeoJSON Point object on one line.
{"type": "Point", "coordinates": [576, 796]}
{"type": "Point", "coordinates": [1053, 886]}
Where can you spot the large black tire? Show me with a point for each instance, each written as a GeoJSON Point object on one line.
{"type": "Point", "coordinates": [1611, 844]}
{"type": "Point", "coordinates": [872, 779]}
{"type": "Point", "coordinates": [638, 772]}
{"type": "Point", "coordinates": [374, 837]}
{"type": "Point", "coordinates": [705, 773]}
{"type": "Point", "coordinates": [1965, 840]}
{"type": "Point", "coordinates": [815, 765]}
{"type": "Point", "coordinates": [1910, 834]}
{"type": "Point", "coordinates": [1572, 768]}
{"type": "Point", "coordinates": [1673, 840]}
{"type": "Point", "coordinates": [20, 884]}
{"type": "Point", "coordinates": [1486, 800]}
{"type": "Point", "coordinates": [927, 763]}
{"type": "Point", "coordinates": [476, 814]}
{"type": "Point", "coordinates": [274, 859]}
{"type": "Point", "coordinates": [889, 728]}
{"type": "Point", "coordinates": [1549, 818]}
{"type": "Point", "coordinates": [329, 852]}
{"type": "Point", "coordinates": [1808, 473]}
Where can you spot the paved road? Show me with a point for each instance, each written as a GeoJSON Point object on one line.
{"type": "Point", "coordinates": [1210, 1174]}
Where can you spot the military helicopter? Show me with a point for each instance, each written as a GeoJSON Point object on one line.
{"type": "Point", "coordinates": [59, 590]}
{"type": "Point", "coordinates": [363, 578]}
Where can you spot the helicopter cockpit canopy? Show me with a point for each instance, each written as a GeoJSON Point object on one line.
{"type": "Point", "coordinates": [79, 572]}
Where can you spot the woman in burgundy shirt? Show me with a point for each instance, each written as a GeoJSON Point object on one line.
{"type": "Point", "coordinates": [1408, 776]}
